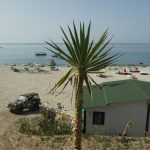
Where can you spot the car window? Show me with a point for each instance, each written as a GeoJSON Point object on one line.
{"type": "Point", "coordinates": [36, 96]}
{"type": "Point", "coordinates": [22, 98]}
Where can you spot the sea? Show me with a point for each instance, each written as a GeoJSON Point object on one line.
{"type": "Point", "coordinates": [24, 53]}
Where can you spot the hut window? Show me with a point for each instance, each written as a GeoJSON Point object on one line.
{"type": "Point", "coordinates": [98, 118]}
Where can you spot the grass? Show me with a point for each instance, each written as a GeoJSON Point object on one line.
{"type": "Point", "coordinates": [43, 125]}
{"type": "Point", "coordinates": [44, 133]}
{"type": "Point", "coordinates": [64, 142]}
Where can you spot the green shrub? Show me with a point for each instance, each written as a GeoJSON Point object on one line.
{"type": "Point", "coordinates": [29, 125]}
{"type": "Point", "coordinates": [48, 114]}
{"type": "Point", "coordinates": [43, 125]}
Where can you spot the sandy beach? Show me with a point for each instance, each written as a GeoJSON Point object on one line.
{"type": "Point", "coordinates": [12, 84]}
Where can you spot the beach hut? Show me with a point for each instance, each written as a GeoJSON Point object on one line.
{"type": "Point", "coordinates": [117, 107]}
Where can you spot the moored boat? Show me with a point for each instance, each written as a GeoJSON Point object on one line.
{"type": "Point", "coordinates": [51, 62]}
{"type": "Point", "coordinates": [39, 65]}
{"type": "Point", "coordinates": [54, 55]}
{"type": "Point", "coordinates": [40, 54]}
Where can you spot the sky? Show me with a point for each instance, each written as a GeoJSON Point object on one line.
{"type": "Point", "coordinates": [34, 21]}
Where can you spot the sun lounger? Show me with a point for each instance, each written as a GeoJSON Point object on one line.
{"type": "Point", "coordinates": [143, 73]}
{"type": "Point", "coordinates": [26, 69]}
{"type": "Point", "coordinates": [98, 74]}
{"type": "Point", "coordinates": [16, 70]}
{"type": "Point", "coordinates": [134, 71]}
{"type": "Point", "coordinates": [124, 73]}
{"type": "Point", "coordinates": [53, 68]}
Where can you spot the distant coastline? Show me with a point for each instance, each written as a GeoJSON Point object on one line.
{"type": "Point", "coordinates": [63, 43]}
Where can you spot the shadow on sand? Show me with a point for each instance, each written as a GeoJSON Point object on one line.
{"type": "Point", "coordinates": [104, 76]}
{"type": "Point", "coordinates": [28, 112]}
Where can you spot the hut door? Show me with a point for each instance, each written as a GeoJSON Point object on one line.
{"type": "Point", "coordinates": [147, 127]}
{"type": "Point", "coordinates": [84, 121]}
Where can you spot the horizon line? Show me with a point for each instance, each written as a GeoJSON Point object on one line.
{"type": "Point", "coordinates": [63, 43]}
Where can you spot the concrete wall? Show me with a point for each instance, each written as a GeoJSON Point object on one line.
{"type": "Point", "coordinates": [116, 117]}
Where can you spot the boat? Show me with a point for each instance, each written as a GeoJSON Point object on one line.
{"type": "Point", "coordinates": [54, 55]}
{"type": "Point", "coordinates": [143, 73]}
{"type": "Point", "coordinates": [39, 65]}
{"type": "Point", "coordinates": [51, 62]}
{"type": "Point", "coordinates": [40, 54]}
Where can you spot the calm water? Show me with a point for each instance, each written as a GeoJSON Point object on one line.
{"type": "Point", "coordinates": [25, 53]}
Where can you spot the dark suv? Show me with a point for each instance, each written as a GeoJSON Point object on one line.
{"type": "Point", "coordinates": [25, 101]}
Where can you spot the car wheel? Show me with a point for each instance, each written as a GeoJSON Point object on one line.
{"type": "Point", "coordinates": [36, 107]}
{"type": "Point", "coordinates": [11, 110]}
{"type": "Point", "coordinates": [20, 110]}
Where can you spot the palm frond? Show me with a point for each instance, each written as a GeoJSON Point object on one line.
{"type": "Point", "coordinates": [88, 85]}
{"type": "Point", "coordinates": [98, 58]}
{"type": "Point", "coordinates": [97, 45]}
{"type": "Point", "coordinates": [103, 47]}
{"type": "Point", "coordinates": [101, 40]}
{"type": "Point", "coordinates": [94, 82]}
{"type": "Point", "coordinates": [105, 62]}
{"type": "Point", "coordinates": [71, 48]}
{"type": "Point", "coordinates": [76, 48]}
{"type": "Point", "coordinates": [82, 34]}
{"type": "Point", "coordinates": [57, 49]}
{"type": "Point", "coordinates": [64, 78]}
{"type": "Point", "coordinates": [71, 51]}
{"type": "Point", "coordinates": [86, 43]}
{"type": "Point", "coordinates": [60, 56]}
{"type": "Point", "coordinates": [76, 36]}
{"type": "Point", "coordinates": [83, 55]}
{"type": "Point", "coordinates": [63, 88]}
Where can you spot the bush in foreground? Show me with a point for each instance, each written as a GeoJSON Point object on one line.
{"type": "Point", "coordinates": [45, 124]}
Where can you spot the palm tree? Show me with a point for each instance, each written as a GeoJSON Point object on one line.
{"type": "Point", "coordinates": [85, 57]}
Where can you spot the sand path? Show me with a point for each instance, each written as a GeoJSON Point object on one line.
{"type": "Point", "coordinates": [6, 119]}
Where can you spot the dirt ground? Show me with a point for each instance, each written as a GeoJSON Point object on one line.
{"type": "Point", "coordinates": [11, 139]}
{"type": "Point", "coordinates": [6, 119]}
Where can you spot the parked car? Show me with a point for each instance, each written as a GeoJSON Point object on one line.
{"type": "Point", "coordinates": [25, 101]}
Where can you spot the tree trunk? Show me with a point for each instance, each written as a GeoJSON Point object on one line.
{"type": "Point", "coordinates": [77, 128]}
